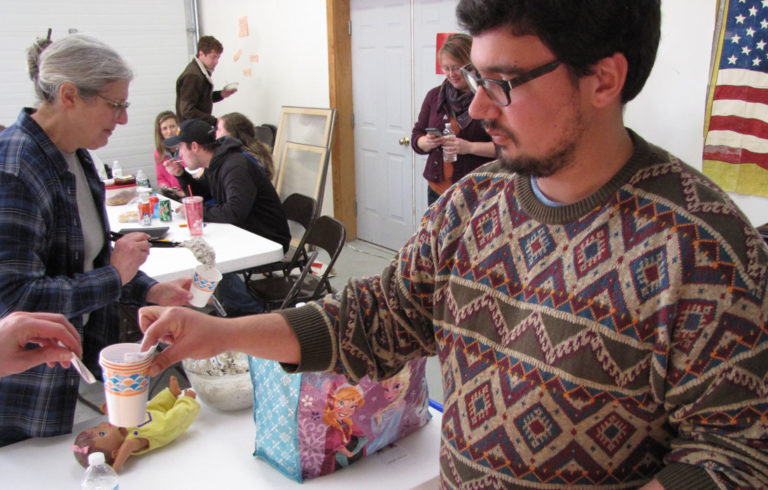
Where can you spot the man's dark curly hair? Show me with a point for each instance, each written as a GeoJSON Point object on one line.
{"type": "Point", "coordinates": [578, 32]}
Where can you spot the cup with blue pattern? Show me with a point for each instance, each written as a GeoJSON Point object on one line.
{"type": "Point", "coordinates": [204, 282]}
{"type": "Point", "coordinates": [126, 383]}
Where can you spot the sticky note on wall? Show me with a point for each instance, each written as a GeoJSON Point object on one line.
{"type": "Point", "coordinates": [242, 29]}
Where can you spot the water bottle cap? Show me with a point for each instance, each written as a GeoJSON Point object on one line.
{"type": "Point", "coordinates": [96, 459]}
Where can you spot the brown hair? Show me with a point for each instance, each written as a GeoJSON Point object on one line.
{"type": "Point", "coordinates": [240, 127]}
{"type": "Point", "coordinates": [458, 46]}
{"type": "Point", "coordinates": [163, 116]}
{"type": "Point", "coordinates": [206, 44]}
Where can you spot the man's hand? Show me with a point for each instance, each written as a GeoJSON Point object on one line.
{"type": "Point", "coordinates": [227, 93]}
{"type": "Point", "coordinates": [191, 334]}
{"type": "Point", "coordinates": [44, 329]}
{"type": "Point", "coordinates": [174, 166]}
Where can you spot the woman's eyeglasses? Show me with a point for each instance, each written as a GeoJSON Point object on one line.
{"type": "Point", "coordinates": [119, 107]}
{"type": "Point", "coordinates": [498, 90]}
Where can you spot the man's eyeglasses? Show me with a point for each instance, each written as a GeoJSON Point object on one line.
{"type": "Point", "coordinates": [119, 107]}
{"type": "Point", "coordinates": [498, 90]}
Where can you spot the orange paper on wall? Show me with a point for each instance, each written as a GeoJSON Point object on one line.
{"type": "Point", "coordinates": [242, 24]}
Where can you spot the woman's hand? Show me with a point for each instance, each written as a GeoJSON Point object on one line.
{"type": "Point", "coordinates": [429, 142]}
{"type": "Point", "coordinates": [463, 147]}
{"type": "Point", "coordinates": [171, 293]}
{"type": "Point", "coordinates": [128, 254]}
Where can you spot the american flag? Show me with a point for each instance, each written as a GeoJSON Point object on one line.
{"type": "Point", "coordinates": [737, 126]}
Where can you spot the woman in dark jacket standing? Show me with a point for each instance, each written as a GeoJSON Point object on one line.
{"type": "Point", "coordinates": [449, 103]}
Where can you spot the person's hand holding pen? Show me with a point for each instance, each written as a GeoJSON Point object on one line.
{"type": "Point", "coordinates": [129, 253]}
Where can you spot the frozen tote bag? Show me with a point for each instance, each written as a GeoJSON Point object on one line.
{"type": "Point", "coordinates": [311, 424]}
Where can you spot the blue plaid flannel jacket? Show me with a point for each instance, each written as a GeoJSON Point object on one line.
{"type": "Point", "coordinates": [41, 269]}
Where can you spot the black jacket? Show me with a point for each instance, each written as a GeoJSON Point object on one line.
{"type": "Point", "coordinates": [242, 193]}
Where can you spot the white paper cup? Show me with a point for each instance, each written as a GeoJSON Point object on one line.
{"type": "Point", "coordinates": [126, 385]}
{"type": "Point", "coordinates": [203, 284]}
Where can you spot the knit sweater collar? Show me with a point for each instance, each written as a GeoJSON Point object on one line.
{"type": "Point", "coordinates": [572, 212]}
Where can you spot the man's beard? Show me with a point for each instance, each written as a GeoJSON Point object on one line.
{"type": "Point", "coordinates": [559, 158]}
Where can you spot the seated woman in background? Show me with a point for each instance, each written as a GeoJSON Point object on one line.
{"type": "Point", "coordinates": [166, 125]}
{"type": "Point", "coordinates": [238, 126]}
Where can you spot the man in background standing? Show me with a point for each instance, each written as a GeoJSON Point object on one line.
{"type": "Point", "coordinates": [194, 87]}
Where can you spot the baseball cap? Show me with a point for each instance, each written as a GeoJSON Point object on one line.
{"type": "Point", "coordinates": [191, 130]}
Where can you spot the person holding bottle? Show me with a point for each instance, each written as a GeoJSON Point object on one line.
{"type": "Point", "coordinates": [447, 105]}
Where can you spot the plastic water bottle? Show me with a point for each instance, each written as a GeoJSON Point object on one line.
{"type": "Point", "coordinates": [141, 179]}
{"type": "Point", "coordinates": [117, 170]}
{"type": "Point", "coordinates": [99, 475]}
{"type": "Point", "coordinates": [447, 133]}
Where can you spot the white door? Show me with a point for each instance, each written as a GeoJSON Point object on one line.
{"type": "Point", "coordinates": [391, 39]}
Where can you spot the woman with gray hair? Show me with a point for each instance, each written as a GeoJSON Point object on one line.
{"type": "Point", "coordinates": [54, 251]}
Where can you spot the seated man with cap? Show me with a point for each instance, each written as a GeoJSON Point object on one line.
{"type": "Point", "coordinates": [235, 191]}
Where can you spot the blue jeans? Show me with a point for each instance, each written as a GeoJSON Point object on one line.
{"type": "Point", "coordinates": [233, 294]}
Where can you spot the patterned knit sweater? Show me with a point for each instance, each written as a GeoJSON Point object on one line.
{"type": "Point", "coordinates": [602, 343]}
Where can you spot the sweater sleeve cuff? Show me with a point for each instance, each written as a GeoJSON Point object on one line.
{"type": "Point", "coordinates": [314, 338]}
{"type": "Point", "coordinates": [135, 291]}
{"type": "Point", "coordinates": [685, 477]}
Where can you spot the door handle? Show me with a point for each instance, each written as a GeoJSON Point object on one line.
{"type": "Point", "coordinates": [404, 141]}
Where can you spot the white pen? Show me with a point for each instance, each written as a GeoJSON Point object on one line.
{"type": "Point", "coordinates": [87, 376]}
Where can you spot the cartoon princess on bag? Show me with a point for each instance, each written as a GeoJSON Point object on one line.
{"type": "Point", "coordinates": [387, 422]}
{"type": "Point", "coordinates": [344, 441]}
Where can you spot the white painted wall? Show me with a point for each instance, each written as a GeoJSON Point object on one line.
{"type": "Point", "coordinates": [291, 41]}
{"type": "Point", "coordinates": [149, 34]}
{"type": "Point", "coordinates": [670, 110]}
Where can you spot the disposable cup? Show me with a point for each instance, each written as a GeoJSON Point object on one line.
{"type": "Point", "coordinates": [193, 208]}
{"type": "Point", "coordinates": [204, 282]}
{"type": "Point", "coordinates": [126, 384]}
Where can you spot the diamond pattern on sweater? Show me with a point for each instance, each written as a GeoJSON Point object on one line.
{"type": "Point", "coordinates": [592, 251]}
{"type": "Point", "coordinates": [537, 427]}
{"type": "Point", "coordinates": [611, 433]}
{"type": "Point", "coordinates": [537, 245]}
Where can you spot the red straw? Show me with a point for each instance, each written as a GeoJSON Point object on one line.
{"type": "Point", "coordinates": [189, 188]}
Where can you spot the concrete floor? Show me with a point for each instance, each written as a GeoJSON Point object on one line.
{"type": "Point", "coordinates": [358, 259]}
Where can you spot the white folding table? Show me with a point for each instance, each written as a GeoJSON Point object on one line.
{"type": "Point", "coordinates": [216, 452]}
{"type": "Point", "coordinates": [236, 249]}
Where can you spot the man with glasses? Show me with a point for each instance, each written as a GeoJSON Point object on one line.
{"type": "Point", "coordinates": [598, 307]}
